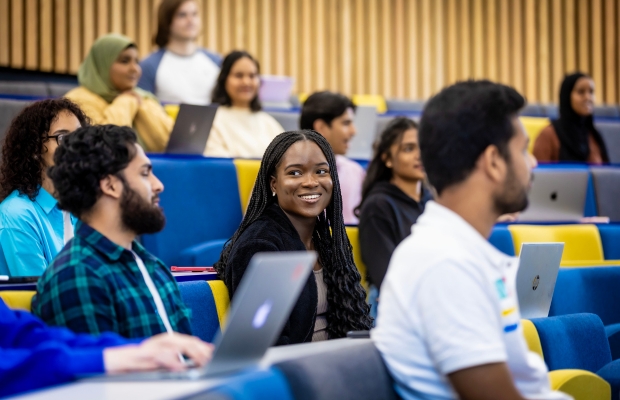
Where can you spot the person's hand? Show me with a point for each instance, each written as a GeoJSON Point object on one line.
{"type": "Point", "coordinates": [161, 351]}
{"type": "Point", "coordinates": [508, 217]}
{"type": "Point", "coordinates": [133, 94]}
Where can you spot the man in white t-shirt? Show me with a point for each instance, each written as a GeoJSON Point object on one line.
{"type": "Point", "coordinates": [180, 71]}
{"type": "Point", "coordinates": [449, 324]}
{"type": "Point", "coordinates": [331, 115]}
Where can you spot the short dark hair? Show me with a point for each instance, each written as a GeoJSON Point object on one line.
{"type": "Point", "coordinates": [323, 105]}
{"type": "Point", "coordinates": [165, 13]}
{"type": "Point", "coordinates": [24, 144]}
{"type": "Point", "coordinates": [220, 95]}
{"type": "Point", "coordinates": [85, 158]}
{"type": "Point", "coordinates": [460, 122]}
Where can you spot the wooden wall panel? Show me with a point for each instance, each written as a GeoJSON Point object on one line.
{"type": "Point", "coordinates": [396, 48]}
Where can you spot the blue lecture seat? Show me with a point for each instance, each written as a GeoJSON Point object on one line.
{"type": "Point", "coordinates": [501, 238]}
{"type": "Point", "coordinates": [198, 297]}
{"type": "Point", "coordinates": [202, 206]}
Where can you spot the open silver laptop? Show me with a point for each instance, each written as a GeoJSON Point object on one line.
{"type": "Point", "coordinates": [539, 264]}
{"type": "Point", "coordinates": [557, 195]}
{"type": "Point", "coordinates": [261, 305]}
{"type": "Point", "coordinates": [191, 129]}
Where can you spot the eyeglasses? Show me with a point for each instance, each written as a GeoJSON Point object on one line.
{"type": "Point", "coordinates": [59, 138]}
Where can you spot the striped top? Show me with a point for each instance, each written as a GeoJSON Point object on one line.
{"type": "Point", "coordinates": [320, 324]}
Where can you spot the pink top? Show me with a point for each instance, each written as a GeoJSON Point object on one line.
{"type": "Point", "coordinates": [351, 176]}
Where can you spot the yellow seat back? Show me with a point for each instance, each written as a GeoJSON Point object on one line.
{"type": "Point", "coordinates": [354, 238]}
{"type": "Point", "coordinates": [172, 110]}
{"type": "Point", "coordinates": [247, 171]}
{"type": "Point", "coordinates": [581, 242]}
{"type": "Point", "coordinates": [533, 126]}
{"type": "Point", "coordinates": [531, 337]}
{"type": "Point", "coordinates": [581, 384]}
{"type": "Point", "coordinates": [370, 100]}
{"type": "Point", "coordinates": [18, 299]}
{"type": "Point", "coordinates": [222, 299]}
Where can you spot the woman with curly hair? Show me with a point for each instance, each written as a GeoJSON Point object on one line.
{"type": "Point", "coordinates": [32, 227]}
{"type": "Point", "coordinates": [296, 205]}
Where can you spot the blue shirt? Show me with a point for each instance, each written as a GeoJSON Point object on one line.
{"type": "Point", "coordinates": [31, 233]}
{"type": "Point", "coordinates": [33, 356]}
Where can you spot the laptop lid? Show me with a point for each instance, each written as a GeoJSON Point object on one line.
{"type": "Point", "coordinates": [360, 146]}
{"type": "Point", "coordinates": [557, 195]}
{"type": "Point", "coordinates": [539, 264]}
{"type": "Point", "coordinates": [260, 308]}
{"type": "Point", "coordinates": [191, 129]}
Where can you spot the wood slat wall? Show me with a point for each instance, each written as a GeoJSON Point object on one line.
{"type": "Point", "coordinates": [396, 48]}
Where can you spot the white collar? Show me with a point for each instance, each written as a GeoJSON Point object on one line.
{"type": "Point", "coordinates": [439, 217]}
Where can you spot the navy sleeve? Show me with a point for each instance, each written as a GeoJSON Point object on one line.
{"type": "Point", "coordinates": [33, 355]}
{"type": "Point", "coordinates": [149, 71]}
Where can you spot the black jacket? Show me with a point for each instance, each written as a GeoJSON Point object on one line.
{"type": "Point", "coordinates": [386, 217]}
{"type": "Point", "coordinates": [273, 231]}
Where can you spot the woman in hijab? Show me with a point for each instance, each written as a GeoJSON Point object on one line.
{"type": "Point", "coordinates": [108, 93]}
{"type": "Point", "coordinates": [573, 137]}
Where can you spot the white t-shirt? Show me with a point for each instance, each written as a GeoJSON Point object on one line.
{"type": "Point", "coordinates": [241, 133]}
{"type": "Point", "coordinates": [449, 302]}
{"type": "Point", "coordinates": [186, 79]}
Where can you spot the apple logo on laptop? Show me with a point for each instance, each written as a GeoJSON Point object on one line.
{"type": "Point", "coordinates": [261, 314]}
{"type": "Point", "coordinates": [554, 196]}
{"type": "Point", "coordinates": [192, 129]}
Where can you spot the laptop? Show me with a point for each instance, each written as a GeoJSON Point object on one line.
{"type": "Point", "coordinates": [191, 129]}
{"type": "Point", "coordinates": [557, 195]}
{"type": "Point", "coordinates": [275, 91]}
{"type": "Point", "coordinates": [361, 144]}
{"type": "Point", "coordinates": [539, 264]}
{"type": "Point", "coordinates": [261, 306]}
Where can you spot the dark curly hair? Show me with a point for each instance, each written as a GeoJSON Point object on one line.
{"type": "Point", "coordinates": [347, 309]}
{"type": "Point", "coordinates": [84, 159]}
{"type": "Point", "coordinates": [24, 143]}
{"type": "Point", "coordinates": [220, 95]}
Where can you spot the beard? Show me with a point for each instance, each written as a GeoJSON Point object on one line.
{"type": "Point", "coordinates": [513, 197]}
{"type": "Point", "coordinates": [139, 215]}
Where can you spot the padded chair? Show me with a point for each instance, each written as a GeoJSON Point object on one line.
{"type": "Point", "coordinates": [202, 206]}
{"type": "Point", "coordinates": [502, 239]}
{"type": "Point", "coordinates": [533, 110]}
{"type": "Point", "coordinates": [354, 237]}
{"type": "Point", "coordinates": [222, 299]}
{"type": "Point", "coordinates": [26, 90]}
{"type": "Point", "coordinates": [255, 384]}
{"type": "Point", "coordinates": [551, 110]}
{"type": "Point", "coordinates": [370, 100]}
{"type": "Point", "coordinates": [353, 372]}
{"type": "Point", "coordinates": [606, 111]}
{"type": "Point", "coordinates": [582, 243]}
{"type": "Point", "coordinates": [607, 187]}
{"type": "Point", "coordinates": [60, 89]}
{"type": "Point", "coordinates": [581, 384]}
{"type": "Point", "coordinates": [533, 126]}
{"type": "Point", "coordinates": [405, 106]}
{"type": "Point", "coordinates": [611, 134]}
{"type": "Point", "coordinates": [198, 296]}
{"type": "Point", "coordinates": [578, 341]}
{"type": "Point", "coordinates": [9, 110]}
{"type": "Point", "coordinates": [610, 237]}
{"type": "Point", "coordinates": [247, 171]}
{"type": "Point", "coordinates": [18, 299]}
{"type": "Point", "coordinates": [288, 119]}
{"type": "Point", "coordinates": [590, 290]}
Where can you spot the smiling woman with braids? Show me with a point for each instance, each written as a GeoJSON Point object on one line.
{"type": "Point", "coordinates": [295, 201]}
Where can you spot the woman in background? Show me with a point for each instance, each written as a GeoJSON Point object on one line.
{"type": "Point", "coordinates": [240, 128]}
{"type": "Point", "coordinates": [108, 92]}
{"type": "Point", "coordinates": [573, 137]}
{"type": "Point", "coordinates": [393, 197]}
{"type": "Point", "coordinates": [296, 206]}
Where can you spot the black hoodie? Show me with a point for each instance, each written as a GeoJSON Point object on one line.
{"type": "Point", "coordinates": [386, 217]}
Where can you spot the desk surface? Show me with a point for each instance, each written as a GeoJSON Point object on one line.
{"type": "Point", "coordinates": [175, 389]}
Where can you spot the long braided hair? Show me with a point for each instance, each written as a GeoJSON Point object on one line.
{"type": "Point", "coordinates": [347, 308]}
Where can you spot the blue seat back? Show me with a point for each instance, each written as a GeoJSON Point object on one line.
{"type": "Point", "coordinates": [588, 290]}
{"type": "Point", "coordinates": [251, 385]}
{"type": "Point", "coordinates": [201, 203]}
{"type": "Point", "coordinates": [502, 239]}
{"type": "Point", "coordinates": [198, 297]}
{"type": "Point", "coordinates": [576, 341]}
{"type": "Point", "coordinates": [610, 237]}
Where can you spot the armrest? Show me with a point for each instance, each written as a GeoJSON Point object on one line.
{"type": "Point", "coordinates": [203, 254]}
{"type": "Point", "coordinates": [582, 385]}
{"type": "Point", "coordinates": [613, 337]}
{"type": "Point", "coordinates": [611, 373]}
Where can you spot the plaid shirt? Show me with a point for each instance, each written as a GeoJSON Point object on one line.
{"type": "Point", "coordinates": [95, 286]}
